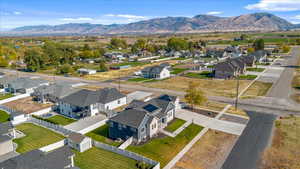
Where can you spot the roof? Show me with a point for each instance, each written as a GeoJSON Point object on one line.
{"type": "Point", "coordinates": [5, 127]}
{"type": "Point", "coordinates": [76, 137]}
{"type": "Point", "coordinates": [154, 69]}
{"type": "Point", "coordinates": [36, 159]}
{"type": "Point", "coordinates": [131, 117]}
{"type": "Point", "coordinates": [26, 83]}
{"type": "Point", "coordinates": [83, 98]}
{"type": "Point", "coordinates": [57, 90]}
{"type": "Point", "coordinates": [6, 79]}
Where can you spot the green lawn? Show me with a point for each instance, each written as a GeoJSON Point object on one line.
{"type": "Point", "coordinates": [252, 69]}
{"type": "Point", "coordinates": [202, 75]}
{"type": "Point", "coordinates": [174, 125]}
{"type": "Point", "coordinates": [138, 79]}
{"type": "Point", "coordinates": [101, 134]}
{"type": "Point", "coordinates": [247, 77]}
{"type": "Point", "coordinates": [36, 137]}
{"type": "Point", "coordinates": [133, 64]}
{"type": "Point", "coordinates": [4, 117]}
{"type": "Point", "coordinates": [176, 71]}
{"type": "Point", "coordinates": [164, 149]}
{"type": "Point", "coordinates": [5, 96]}
{"type": "Point", "coordinates": [96, 158]}
{"type": "Point", "coordinates": [59, 119]}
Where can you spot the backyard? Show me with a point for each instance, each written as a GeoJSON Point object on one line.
{"type": "Point", "coordinates": [5, 96]}
{"type": "Point", "coordinates": [96, 158]}
{"type": "Point", "coordinates": [61, 120]}
{"type": "Point", "coordinates": [101, 134]}
{"type": "Point", "coordinates": [35, 137]}
{"type": "Point", "coordinates": [26, 105]}
{"type": "Point", "coordinates": [174, 125]}
{"type": "Point", "coordinates": [165, 148]}
{"type": "Point", "coordinates": [4, 117]}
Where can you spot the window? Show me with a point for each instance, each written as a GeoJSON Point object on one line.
{"type": "Point", "coordinates": [119, 101]}
{"type": "Point", "coordinates": [143, 129]}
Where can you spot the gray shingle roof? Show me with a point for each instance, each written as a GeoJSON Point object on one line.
{"type": "Point", "coordinates": [154, 69]}
{"type": "Point", "coordinates": [131, 117]}
{"type": "Point", "coordinates": [85, 97]}
{"type": "Point", "coordinates": [56, 90]}
{"type": "Point", "coordinates": [26, 83]}
{"type": "Point", "coordinates": [76, 137]}
{"type": "Point", "coordinates": [36, 159]}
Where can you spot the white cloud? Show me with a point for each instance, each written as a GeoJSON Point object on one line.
{"type": "Point", "coordinates": [275, 5]}
{"type": "Point", "coordinates": [297, 17]}
{"type": "Point", "coordinates": [77, 19]}
{"type": "Point", "coordinates": [214, 13]}
{"type": "Point", "coordinates": [127, 16]}
{"type": "Point", "coordinates": [17, 13]}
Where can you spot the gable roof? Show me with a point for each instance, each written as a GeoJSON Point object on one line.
{"type": "Point", "coordinates": [76, 137]}
{"type": "Point", "coordinates": [26, 83]}
{"type": "Point", "coordinates": [36, 159]}
{"type": "Point", "coordinates": [84, 97]}
{"type": "Point", "coordinates": [154, 69]}
{"type": "Point", "coordinates": [57, 90]}
{"type": "Point", "coordinates": [131, 117]}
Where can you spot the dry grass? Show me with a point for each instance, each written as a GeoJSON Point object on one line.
{"type": "Point", "coordinates": [26, 105]}
{"type": "Point", "coordinates": [215, 87]}
{"type": "Point", "coordinates": [257, 89]}
{"type": "Point", "coordinates": [285, 149]}
{"type": "Point", "coordinates": [209, 152]}
{"type": "Point", "coordinates": [240, 112]}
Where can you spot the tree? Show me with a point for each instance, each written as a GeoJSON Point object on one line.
{"type": "Point", "coordinates": [65, 69]}
{"type": "Point", "coordinates": [33, 59]}
{"type": "Point", "coordinates": [102, 66]}
{"type": "Point", "coordinates": [194, 96]}
{"type": "Point", "coordinates": [286, 48]}
{"type": "Point", "coordinates": [259, 44]}
{"type": "Point", "coordinates": [250, 50]}
{"type": "Point", "coordinates": [177, 44]}
{"type": "Point", "coordinates": [116, 43]}
{"type": "Point", "coordinates": [298, 41]}
{"type": "Point", "coordinates": [3, 62]}
{"type": "Point", "coordinates": [244, 37]}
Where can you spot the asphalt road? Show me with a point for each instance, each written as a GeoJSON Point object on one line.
{"type": "Point", "coordinates": [246, 152]}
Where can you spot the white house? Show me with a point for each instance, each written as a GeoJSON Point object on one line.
{"type": "Point", "coordinates": [156, 72]}
{"type": "Point", "coordinates": [89, 103]}
{"type": "Point", "coordinates": [79, 142]}
{"type": "Point", "coordinates": [86, 71]}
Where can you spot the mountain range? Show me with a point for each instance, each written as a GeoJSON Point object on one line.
{"type": "Point", "coordinates": [196, 24]}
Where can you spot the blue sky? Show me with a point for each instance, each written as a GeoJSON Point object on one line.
{"type": "Point", "coordinates": [15, 13]}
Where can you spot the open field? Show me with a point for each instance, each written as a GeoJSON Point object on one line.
{"type": "Point", "coordinates": [164, 149]}
{"type": "Point", "coordinates": [96, 158]}
{"type": "Point", "coordinates": [202, 75]}
{"type": "Point", "coordinates": [61, 120]}
{"type": "Point", "coordinates": [101, 134]}
{"type": "Point", "coordinates": [209, 152]}
{"type": "Point", "coordinates": [26, 105]}
{"type": "Point", "coordinates": [35, 137]}
{"type": "Point", "coordinates": [5, 96]}
{"type": "Point", "coordinates": [214, 87]}
{"type": "Point", "coordinates": [4, 117]}
{"type": "Point", "coordinates": [285, 149]}
{"type": "Point", "coordinates": [174, 125]}
{"type": "Point", "coordinates": [257, 89]}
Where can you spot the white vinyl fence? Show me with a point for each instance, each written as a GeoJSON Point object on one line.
{"type": "Point", "coordinates": [127, 154]}
{"type": "Point", "coordinates": [54, 146]}
{"type": "Point", "coordinates": [126, 143]}
{"type": "Point", "coordinates": [41, 112]}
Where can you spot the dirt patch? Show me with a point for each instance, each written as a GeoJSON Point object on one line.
{"type": "Point", "coordinates": [26, 105]}
{"type": "Point", "coordinates": [209, 152]}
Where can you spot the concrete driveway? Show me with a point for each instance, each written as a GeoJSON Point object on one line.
{"type": "Point", "coordinates": [85, 123]}
{"type": "Point", "coordinates": [220, 125]}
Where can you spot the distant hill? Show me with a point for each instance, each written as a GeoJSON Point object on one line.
{"type": "Point", "coordinates": [199, 23]}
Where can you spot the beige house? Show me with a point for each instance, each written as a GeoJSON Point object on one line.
{"type": "Point", "coordinates": [79, 142]}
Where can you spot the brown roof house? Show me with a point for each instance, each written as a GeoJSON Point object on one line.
{"type": "Point", "coordinates": [79, 142]}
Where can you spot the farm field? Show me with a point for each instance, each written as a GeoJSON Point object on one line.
{"type": "Point", "coordinates": [35, 137]}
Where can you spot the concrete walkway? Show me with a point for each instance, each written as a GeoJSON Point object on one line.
{"type": "Point", "coordinates": [84, 124]}
{"type": "Point", "coordinates": [179, 130]}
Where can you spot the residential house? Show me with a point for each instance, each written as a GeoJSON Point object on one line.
{"type": "Point", "coordinates": [25, 85]}
{"type": "Point", "coordinates": [61, 158]}
{"type": "Point", "coordinates": [156, 72]}
{"type": "Point", "coordinates": [89, 103]}
{"type": "Point", "coordinates": [143, 120]}
{"type": "Point", "coordinates": [250, 60]}
{"type": "Point", "coordinates": [53, 93]}
{"type": "Point", "coordinates": [86, 71]}
{"type": "Point", "coordinates": [5, 80]}
{"type": "Point", "coordinates": [261, 56]}
{"type": "Point", "coordinates": [7, 134]}
{"type": "Point", "coordinates": [79, 142]}
{"type": "Point", "coordinates": [230, 68]}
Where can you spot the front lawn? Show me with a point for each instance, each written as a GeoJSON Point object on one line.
{"type": "Point", "coordinates": [138, 79]}
{"type": "Point", "coordinates": [35, 137]}
{"type": "Point", "coordinates": [5, 96]}
{"type": "Point", "coordinates": [247, 77]}
{"type": "Point", "coordinates": [101, 134]}
{"type": "Point", "coordinates": [252, 69]}
{"type": "Point", "coordinates": [4, 117]}
{"type": "Point", "coordinates": [202, 75]}
{"type": "Point", "coordinates": [174, 125]}
{"type": "Point", "coordinates": [96, 158]}
{"type": "Point", "coordinates": [165, 149]}
{"type": "Point", "coordinates": [59, 119]}
{"type": "Point", "coordinates": [257, 89]}
{"type": "Point", "coordinates": [176, 71]}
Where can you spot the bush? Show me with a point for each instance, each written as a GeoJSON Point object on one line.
{"type": "Point", "coordinates": [143, 165]}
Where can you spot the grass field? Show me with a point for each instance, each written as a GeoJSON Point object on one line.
{"type": "Point", "coordinates": [247, 77]}
{"type": "Point", "coordinates": [36, 137]}
{"type": "Point", "coordinates": [138, 79]}
{"type": "Point", "coordinates": [176, 71]}
{"type": "Point", "coordinates": [202, 75]}
{"type": "Point", "coordinates": [101, 134]}
{"type": "Point", "coordinates": [252, 69]}
{"type": "Point", "coordinates": [174, 125]}
{"type": "Point", "coordinates": [4, 117]}
{"type": "Point", "coordinates": [164, 149]}
{"type": "Point", "coordinates": [285, 149]}
{"type": "Point", "coordinates": [5, 96]}
{"type": "Point", "coordinates": [215, 87]}
{"type": "Point", "coordinates": [58, 119]}
{"type": "Point", "coordinates": [96, 158]}
{"type": "Point", "coordinates": [257, 89]}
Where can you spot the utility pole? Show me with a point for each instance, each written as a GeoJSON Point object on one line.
{"type": "Point", "coordinates": [119, 82]}
{"type": "Point", "coordinates": [237, 92]}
